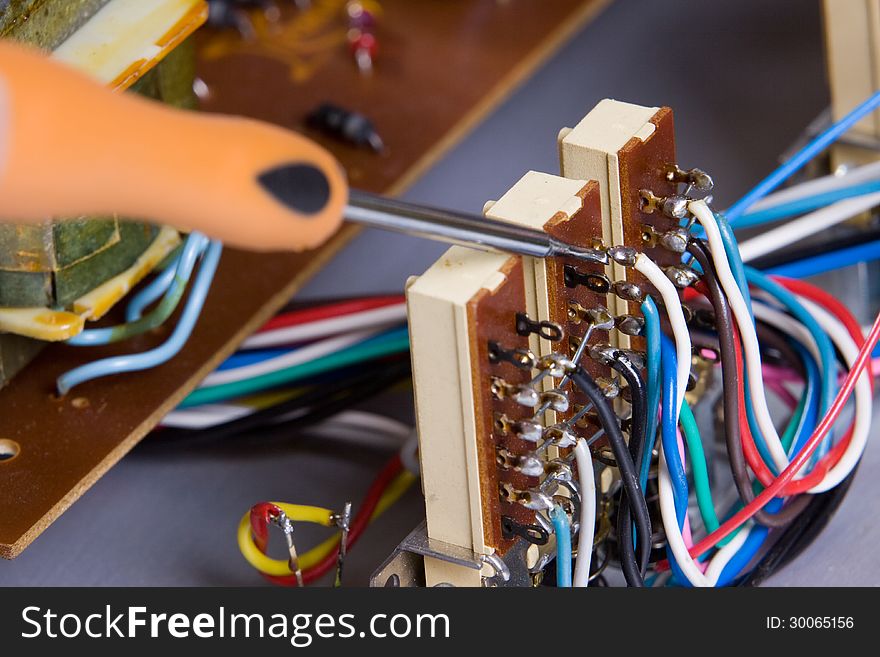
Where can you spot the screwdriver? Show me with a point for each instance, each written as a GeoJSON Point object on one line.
{"type": "Point", "coordinates": [460, 228]}
{"type": "Point", "coordinates": [70, 147]}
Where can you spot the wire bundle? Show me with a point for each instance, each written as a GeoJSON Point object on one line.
{"type": "Point", "coordinates": [774, 334]}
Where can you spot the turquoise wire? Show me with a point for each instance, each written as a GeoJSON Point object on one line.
{"type": "Point", "coordinates": [827, 359]}
{"type": "Point", "coordinates": [562, 530]}
{"type": "Point", "coordinates": [652, 337]}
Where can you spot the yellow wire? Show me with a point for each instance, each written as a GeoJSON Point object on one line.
{"type": "Point", "coordinates": [262, 400]}
{"type": "Point", "coordinates": [312, 557]}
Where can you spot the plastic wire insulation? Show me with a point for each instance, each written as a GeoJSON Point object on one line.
{"type": "Point", "coordinates": [193, 248]}
{"type": "Point", "coordinates": [562, 531]}
{"type": "Point", "coordinates": [652, 338]}
{"type": "Point", "coordinates": [803, 156]}
{"type": "Point", "coordinates": [587, 531]}
{"type": "Point", "coordinates": [306, 354]}
{"type": "Point", "coordinates": [810, 224]}
{"type": "Point", "coordinates": [167, 350]}
{"type": "Point", "coordinates": [373, 318]}
{"type": "Point", "coordinates": [805, 204]}
{"type": "Point", "coordinates": [393, 342]}
{"type": "Point", "coordinates": [324, 311]}
{"type": "Point", "coordinates": [814, 186]}
{"type": "Point", "coordinates": [680, 331]}
{"type": "Point", "coordinates": [803, 457]}
{"type": "Point", "coordinates": [743, 316]}
{"type": "Point", "coordinates": [629, 477]}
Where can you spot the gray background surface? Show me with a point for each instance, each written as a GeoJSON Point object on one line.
{"type": "Point", "coordinates": [743, 76]}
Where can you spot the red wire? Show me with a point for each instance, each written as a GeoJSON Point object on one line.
{"type": "Point", "coordinates": [358, 524]}
{"type": "Point", "coordinates": [776, 488]}
{"type": "Point", "coordinates": [832, 305]}
{"type": "Point", "coordinates": [328, 311]}
{"type": "Point", "coordinates": [750, 450]}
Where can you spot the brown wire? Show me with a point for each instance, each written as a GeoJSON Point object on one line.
{"type": "Point", "coordinates": [731, 384]}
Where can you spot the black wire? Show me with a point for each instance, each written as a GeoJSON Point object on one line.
{"type": "Point", "coordinates": [314, 405]}
{"type": "Point", "coordinates": [801, 533]}
{"type": "Point", "coordinates": [634, 497]}
{"type": "Point", "coordinates": [637, 439]}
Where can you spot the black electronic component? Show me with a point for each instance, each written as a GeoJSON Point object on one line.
{"type": "Point", "coordinates": [345, 125]}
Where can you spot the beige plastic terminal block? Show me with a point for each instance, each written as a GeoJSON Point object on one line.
{"type": "Point", "coordinates": [533, 202]}
{"type": "Point", "coordinates": [589, 151]}
{"type": "Point", "coordinates": [444, 350]}
{"type": "Point", "coordinates": [443, 370]}
{"type": "Point", "coordinates": [852, 44]}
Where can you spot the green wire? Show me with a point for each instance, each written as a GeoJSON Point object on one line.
{"type": "Point", "coordinates": [376, 348]}
{"type": "Point", "coordinates": [701, 472]}
{"type": "Point", "coordinates": [698, 464]}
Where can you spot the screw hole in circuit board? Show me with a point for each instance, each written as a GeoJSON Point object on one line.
{"type": "Point", "coordinates": [9, 449]}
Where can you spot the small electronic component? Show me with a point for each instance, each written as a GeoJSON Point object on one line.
{"type": "Point", "coordinates": [361, 33]}
{"type": "Point", "coordinates": [345, 125]}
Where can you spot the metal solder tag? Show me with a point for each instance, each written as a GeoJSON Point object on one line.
{"type": "Point", "coordinates": [547, 330]}
{"type": "Point", "coordinates": [521, 358]}
{"type": "Point", "coordinates": [534, 534]}
{"type": "Point", "coordinates": [594, 282]}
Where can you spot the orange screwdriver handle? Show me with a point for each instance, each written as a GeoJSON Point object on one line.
{"type": "Point", "coordinates": [69, 146]}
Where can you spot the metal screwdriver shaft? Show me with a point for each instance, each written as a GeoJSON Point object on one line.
{"type": "Point", "coordinates": [460, 228]}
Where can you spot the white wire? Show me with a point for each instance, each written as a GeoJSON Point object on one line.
{"type": "Point", "coordinates": [863, 398]}
{"type": "Point", "coordinates": [409, 453]}
{"type": "Point", "coordinates": [207, 415]}
{"type": "Point", "coordinates": [680, 332]}
{"type": "Point", "coordinates": [787, 324]}
{"type": "Point", "coordinates": [303, 355]}
{"type": "Point", "coordinates": [829, 183]}
{"type": "Point", "coordinates": [373, 422]}
{"type": "Point", "coordinates": [751, 349]}
{"type": "Point", "coordinates": [809, 224]}
{"type": "Point", "coordinates": [374, 318]}
{"type": "Point", "coordinates": [676, 541]}
{"type": "Point", "coordinates": [586, 533]}
{"type": "Point", "coordinates": [363, 428]}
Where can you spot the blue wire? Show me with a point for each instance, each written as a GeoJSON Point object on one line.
{"type": "Point", "coordinates": [825, 262]}
{"type": "Point", "coordinates": [166, 350]}
{"type": "Point", "coordinates": [668, 429]}
{"type": "Point", "coordinates": [180, 274]}
{"type": "Point", "coordinates": [804, 155]}
{"type": "Point", "coordinates": [151, 292]}
{"type": "Point", "coordinates": [828, 362]}
{"type": "Point", "coordinates": [744, 556]}
{"type": "Point", "coordinates": [806, 204]}
{"type": "Point", "coordinates": [251, 357]}
{"type": "Point", "coordinates": [652, 337]}
{"type": "Point", "coordinates": [810, 417]}
{"type": "Point", "coordinates": [562, 530]}
{"type": "Point", "coordinates": [668, 436]}
{"type": "Point", "coordinates": [739, 273]}
{"type": "Point", "coordinates": [160, 284]}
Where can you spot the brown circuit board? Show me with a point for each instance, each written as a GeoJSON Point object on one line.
{"type": "Point", "coordinates": [418, 102]}
{"type": "Point", "coordinates": [643, 166]}
{"type": "Point", "coordinates": [583, 228]}
{"type": "Point", "coordinates": [492, 318]}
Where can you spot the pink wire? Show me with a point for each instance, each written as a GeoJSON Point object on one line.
{"type": "Point", "coordinates": [776, 373]}
{"type": "Point", "coordinates": [686, 530]}
{"type": "Point", "coordinates": [782, 392]}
